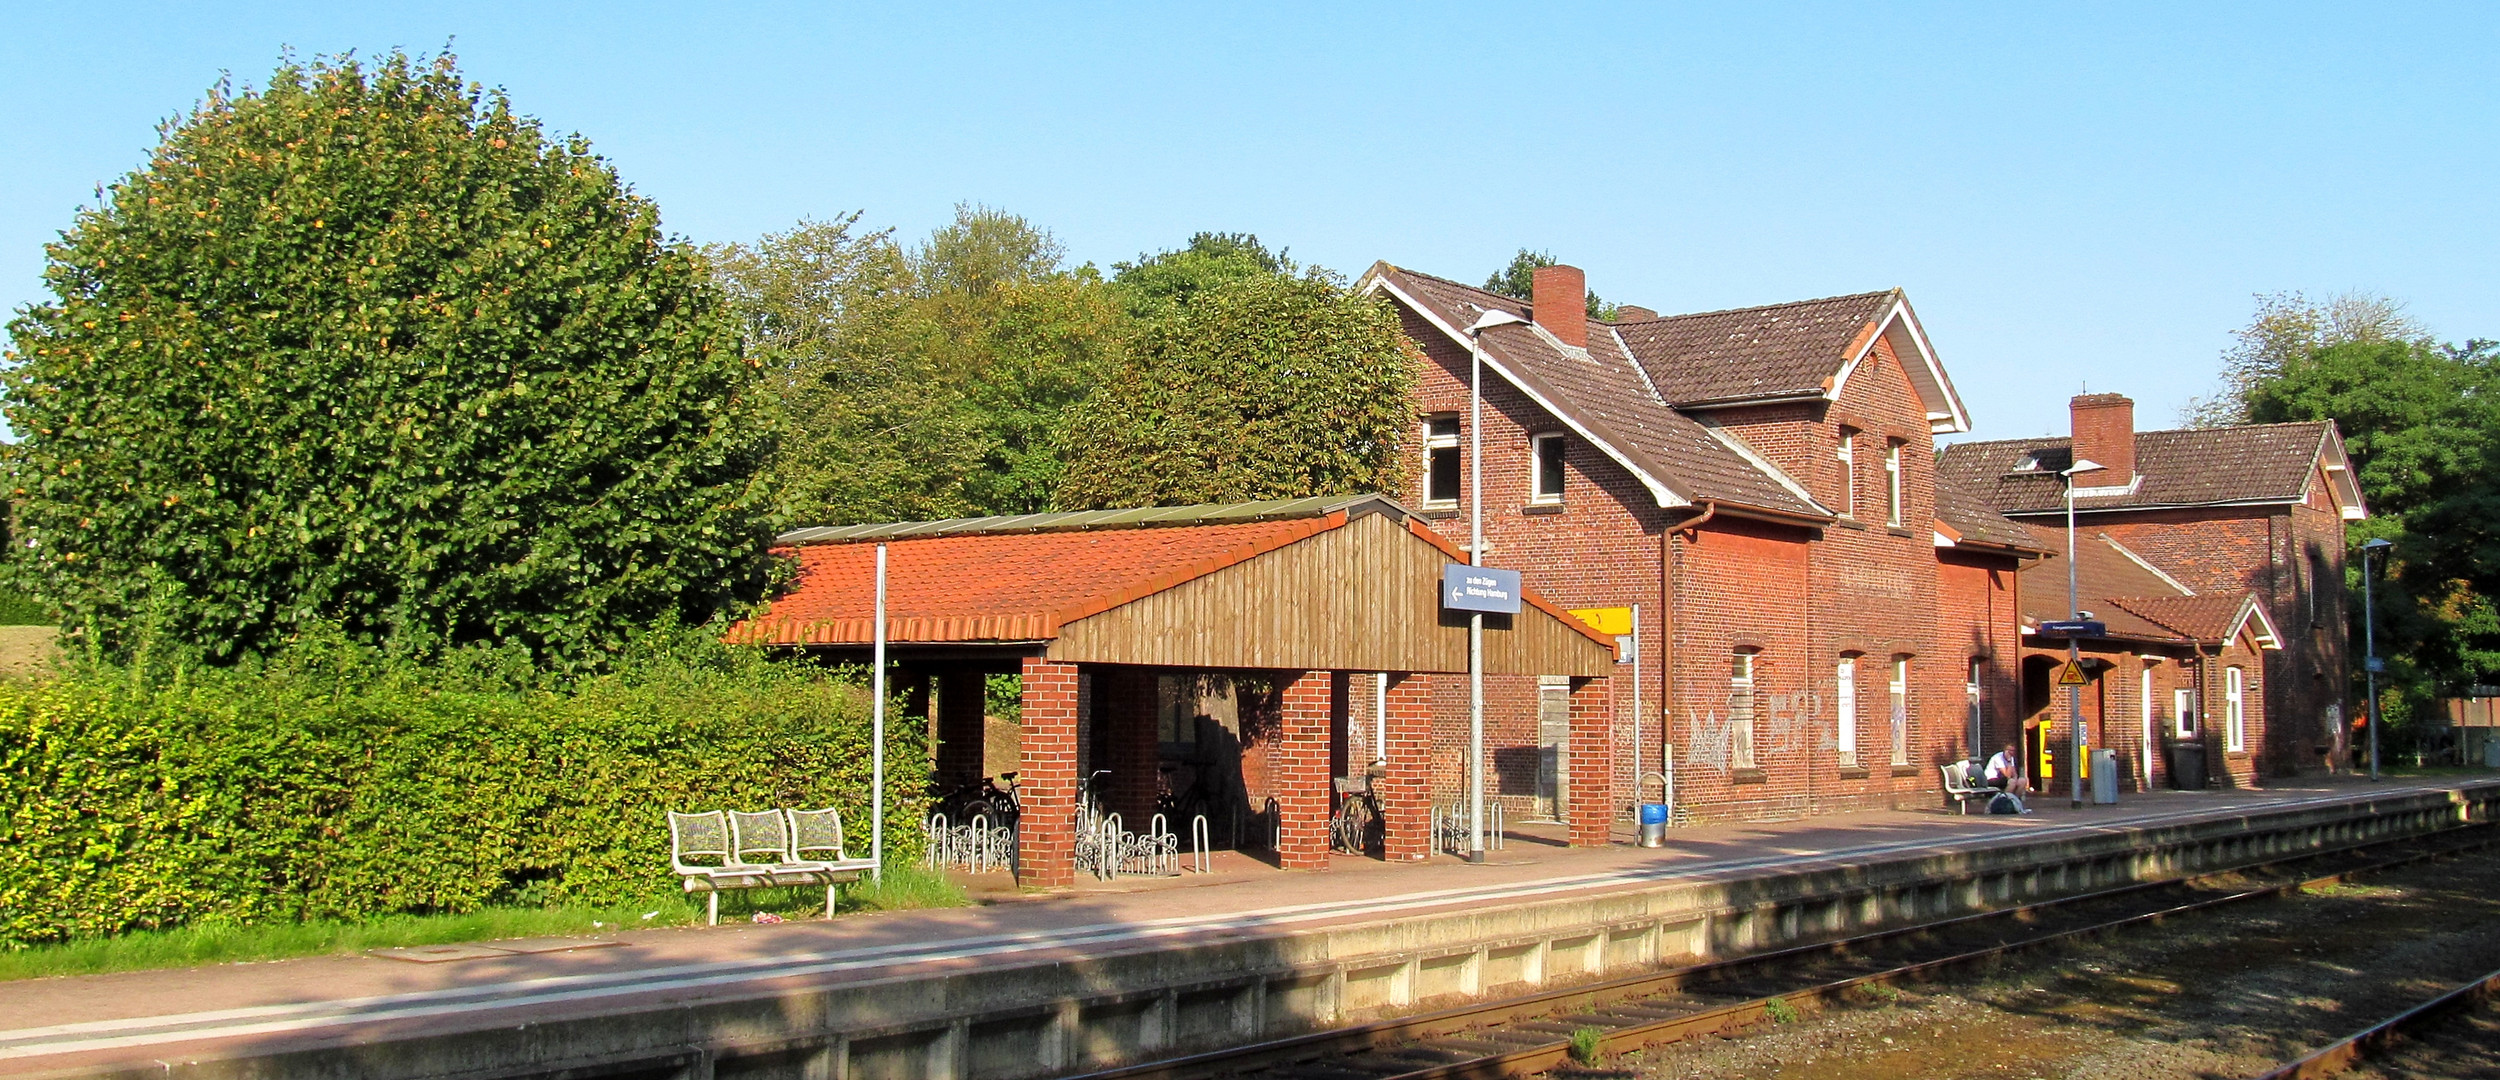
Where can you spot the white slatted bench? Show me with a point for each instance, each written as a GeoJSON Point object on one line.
{"type": "Point", "coordinates": [1962, 789]}
{"type": "Point", "coordinates": [719, 850]}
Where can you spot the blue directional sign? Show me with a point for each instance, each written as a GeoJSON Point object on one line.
{"type": "Point", "coordinates": [1479, 588]}
{"type": "Point", "coordinates": [2074, 628]}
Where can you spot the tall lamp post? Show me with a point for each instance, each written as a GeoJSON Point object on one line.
{"type": "Point", "coordinates": [1475, 557]}
{"type": "Point", "coordinates": [2074, 648]}
{"type": "Point", "coordinates": [2372, 550]}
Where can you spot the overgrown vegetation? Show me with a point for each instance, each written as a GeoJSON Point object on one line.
{"type": "Point", "coordinates": [333, 781]}
{"type": "Point", "coordinates": [366, 347]}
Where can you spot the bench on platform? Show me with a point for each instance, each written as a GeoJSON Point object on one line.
{"type": "Point", "coordinates": [1962, 788]}
{"type": "Point", "coordinates": [718, 850]}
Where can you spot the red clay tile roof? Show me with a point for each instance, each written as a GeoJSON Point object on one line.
{"type": "Point", "coordinates": [2253, 463]}
{"type": "Point", "coordinates": [1001, 586]}
{"type": "Point", "coordinates": [1602, 390]}
{"type": "Point", "coordinates": [2205, 618]}
{"type": "Point", "coordinates": [1776, 350]}
{"type": "Point", "coordinates": [2136, 602]}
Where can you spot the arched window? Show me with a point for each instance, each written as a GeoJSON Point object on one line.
{"type": "Point", "coordinates": [2234, 712]}
{"type": "Point", "coordinates": [1740, 707]}
{"type": "Point", "coordinates": [1900, 691]}
{"type": "Point", "coordinates": [1846, 676]}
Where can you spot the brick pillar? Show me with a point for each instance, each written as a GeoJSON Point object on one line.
{"type": "Point", "coordinates": [1592, 809]}
{"type": "Point", "coordinates": [1046, 781]}
{"type": "Point", "coordinates": [1132, 752]}
{"type": "Point", "coordinates": [1406, 792]}
{"type": "Point", "coordinates": [960, 728]}
{"type": "Point", "coordinates": [1299, 768]}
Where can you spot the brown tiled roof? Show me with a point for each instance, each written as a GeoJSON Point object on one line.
{"type": "Point", "coordinates": [2134, 601]}
{"type": "Point", "coordinates": [1973, 521]}
{"type": "Point", "coordinates": [2252, 463]}
{"type": "Point", "coordinates": [1777, 350]}
{"type": "Point", "coordinates": [2204, 618]}
{"type": "Point", "coordinates": [1601, 389]}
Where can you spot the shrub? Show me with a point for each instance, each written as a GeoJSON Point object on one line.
{"type": "Point", "coordinates": [335, 782]}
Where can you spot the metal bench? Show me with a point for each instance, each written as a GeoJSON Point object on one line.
{"type": "Point", "coordinates": [719, 850]}
{"type": "Point", "coordinates": [1959, 787]}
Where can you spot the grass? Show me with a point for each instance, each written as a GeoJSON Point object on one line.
{"type": "Point", "coordinates": [193, 946]}
{"type": "Point", "coordinates": [1586, 1044]}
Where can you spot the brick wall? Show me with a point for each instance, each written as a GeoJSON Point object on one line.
{"type": "Point", "coordinates": [1298, 766]}
{"type": "Point", "coordinates": [1046, 777]}
{"type": "Point", "coordinates": [1592, 751]}
{"type": "Point", "coordinates": [1406, 791]}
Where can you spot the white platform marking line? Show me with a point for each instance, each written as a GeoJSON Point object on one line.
{"type": "Point", "coordinates": [27, 1042]}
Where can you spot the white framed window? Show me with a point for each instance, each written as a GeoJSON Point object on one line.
{"type": "Point", "coordinates": [1848, 472]}
{"type": "Point", "coordinates": [2234, 714]}
{"type": "Point", "coordinates": [1892, 481]}
{"type": "Point", "coordinates": [1740, 708]}
{"type": "Point", "coordinates": [1974, 693]}
{"type": "Point", "coordinates": [1846, 676]}
{"type": "Point", "coordinates": [1900, 693]}
{"type": "Point", "coordinates": [1545, 469]}
{"type": "Point", "coordinates": [1441, 461]}
{"type": "Point", "coordinates": [2183, 713]}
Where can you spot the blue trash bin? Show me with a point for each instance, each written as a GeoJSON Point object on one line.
{"type": "Point", "coordinates": [1653, 824]}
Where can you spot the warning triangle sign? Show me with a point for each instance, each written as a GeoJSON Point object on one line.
{"type": "Point", "coordinates": [2072, 674]}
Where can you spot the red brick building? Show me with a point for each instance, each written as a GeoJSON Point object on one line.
{"type": "Point", "coordinates": [1822, 627]}
{"type": "Point", "coordinates": [2228, 518]}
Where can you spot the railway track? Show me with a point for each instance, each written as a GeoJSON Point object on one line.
{"type": "Point", "coordinates": [2444, 1037]}
{"type": "Point", "coordinates": [1535, 1032]}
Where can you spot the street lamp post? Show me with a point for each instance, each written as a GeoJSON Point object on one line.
{"type": "Point", "coordinates": [1475, 557]}
{"type": "Point", "coordinates": [2074, 647]}
{"type": "Point", "coordinates": [2372, 549]}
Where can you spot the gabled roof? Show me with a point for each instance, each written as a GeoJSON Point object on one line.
{"type": "Point", "coordinates": [1803, 349]}
{"type": "Point", "coordinates": [1603, 395]}
{"type": "Point", "coordinates": [2251, 464]}
{"type": "Point", "coordinates": [2130, 596]}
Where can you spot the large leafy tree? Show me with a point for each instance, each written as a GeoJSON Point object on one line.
{"type": "Point", "coordinates": [1155, 284]}
{"type": "Point", "coordinates": [1268, 386]}
{"type": "Point", "coordinates": [367, 347]}
{"type": "Point", "coordinates": [2422, 423]}
{"type": "Point", "coordinates": [932, 381]}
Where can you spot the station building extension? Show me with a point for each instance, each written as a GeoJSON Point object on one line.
{"type": "Point", "coordinates": [1323, 616]}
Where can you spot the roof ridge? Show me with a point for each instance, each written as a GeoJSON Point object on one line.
{"type": "Point", "coordinates": [1764, 307]}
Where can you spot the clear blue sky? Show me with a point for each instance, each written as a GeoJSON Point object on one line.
{"type": "Point", "coordinates": [2070, 196]}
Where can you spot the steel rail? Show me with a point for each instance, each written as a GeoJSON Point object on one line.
{"type": "Point", "coordinates": [1383, 1034]}
{"type": "Point", "coordinates": [2344, 1053]}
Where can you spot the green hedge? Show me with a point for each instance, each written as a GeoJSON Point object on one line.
{"type": "Point", "coordinates": [337, 783]}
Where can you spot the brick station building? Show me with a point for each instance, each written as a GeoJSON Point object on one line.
{"type": "Point", "coordinates": [1823, 625]}
{"type": "Point", "coordinates": [2223, 519]}
{"type": "Point", "coordinates": [1322, 615]}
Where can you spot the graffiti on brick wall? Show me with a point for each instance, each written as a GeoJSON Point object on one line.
{"type": "Point", "coordinates": [1781, 724]}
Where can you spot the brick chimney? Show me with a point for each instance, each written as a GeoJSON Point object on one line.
{"type": "Point", "coordinates": [1560, 302]}
{"type": "Point", "coordinates": [2104, 429]}
{"type": "Point", "coordinates": [1631, 313]}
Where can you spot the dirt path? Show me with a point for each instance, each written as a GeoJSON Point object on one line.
{"type": "Point", "coordinates": [2217, 996]}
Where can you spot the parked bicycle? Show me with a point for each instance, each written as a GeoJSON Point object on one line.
{"type": "Point", "coordinates": [1356, 827]}
{"type": "Point", "coordinates": [985, 797]}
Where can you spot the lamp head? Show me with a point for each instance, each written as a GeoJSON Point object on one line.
{"type": "Point", "coordinates": [2377, 545]}
{"type": "Point", "coordinates": [2081, 465]}
{"type": "Point", "coordinates": [1490, 319]}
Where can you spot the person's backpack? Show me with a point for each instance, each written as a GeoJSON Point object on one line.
{"type": "Point", "coordinates": [2005, 803]}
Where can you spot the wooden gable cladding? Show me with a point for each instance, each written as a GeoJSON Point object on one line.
{"type": "Point", "coordinates": [1362, 597]}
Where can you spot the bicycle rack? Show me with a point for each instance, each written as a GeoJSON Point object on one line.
{"type": "Point", "coordinates": [1201, 858]}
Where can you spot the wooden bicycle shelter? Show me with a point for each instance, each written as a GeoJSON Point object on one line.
{"type": "Point", "coordinates": [1321, 601]}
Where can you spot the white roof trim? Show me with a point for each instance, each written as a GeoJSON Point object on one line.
{"type": "Point", "coordinates": [1637, 369]}
{"type": "Point", "coordinates": [2140, 561]}
{"type": "Point", "coordinates": [1952, 418]}
{"type": "Point", "coordinates": [1666, 496]}
{"type": "Point", "coordinates": [2250, 608]}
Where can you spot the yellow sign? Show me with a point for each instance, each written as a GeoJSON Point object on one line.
{"type": "Point", "coordinates": [2072, 674]}
{"type": "Point", "coordinates": [1606, 620]}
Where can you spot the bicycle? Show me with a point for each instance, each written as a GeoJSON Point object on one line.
{"type": "Point", "coordinates": [1356, 828]}
{"type": "Point", "coordinates": [983, 797]}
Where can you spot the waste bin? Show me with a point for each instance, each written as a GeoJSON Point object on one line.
{"type": "Point", "coordinates": [2105, 777]}
{"type": "Point", "coordinates": [2187, 766]}
{"type": "Point", "coordinates": [1653, 824]}
{"type": "Point", "coordinates": [2491, 753]}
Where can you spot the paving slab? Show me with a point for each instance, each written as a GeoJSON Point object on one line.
{"type": "Point", "coordinates": [139, 1016]}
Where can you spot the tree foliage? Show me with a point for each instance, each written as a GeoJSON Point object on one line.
{"type": "Point", "coordinates": [1268, 386]}
{"type": "Point", "coordinates": [367, 346]}
{"type": "Point", "coordinates": [2422, 424]}
{"type": "Point", "coordinates": [1518, 281]}
{"type": "Point", "coordinates": [2287, 327]}
{"type": "Point", "coordinates": [927, 382]}
{"type": "Point", "coordinates": [1155, 284]}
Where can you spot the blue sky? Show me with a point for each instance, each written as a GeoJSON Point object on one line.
{"type": "Point", "coordinates": [2071, 196]}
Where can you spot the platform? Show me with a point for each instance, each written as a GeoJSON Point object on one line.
{"type": "Point", "coordinates": [781, 998]}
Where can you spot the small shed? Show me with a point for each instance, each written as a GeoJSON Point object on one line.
{"type": "Point", "coordinates": [1093, 608]}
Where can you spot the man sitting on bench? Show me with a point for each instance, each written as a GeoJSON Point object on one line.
{"type": "Point", "coordinates": [2005, 773]}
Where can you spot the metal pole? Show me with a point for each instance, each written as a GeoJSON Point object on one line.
{"type": "Point", "coordinates": [876, 735]}
{"type": "Point", "coordinates": [1636, 711]}
{"type": "Point", "coordinates": [1475, 620]}
{"type": "Point", "coordinates": [2369, 663]}
{"type": "Point", "coordinates": [2074, 652]}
